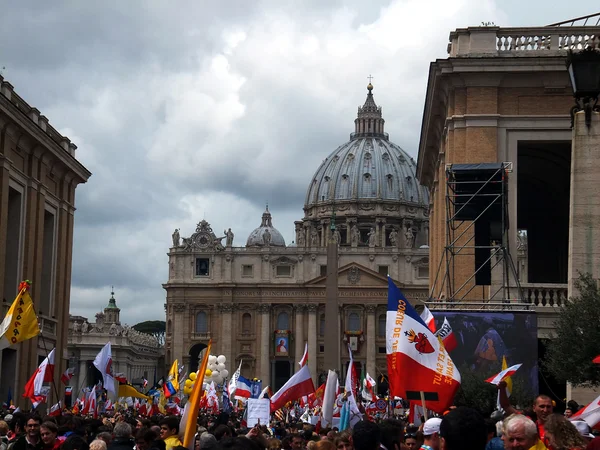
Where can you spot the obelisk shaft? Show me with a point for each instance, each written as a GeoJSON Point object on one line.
{"type": "Point", "coordinates": [332, 331]}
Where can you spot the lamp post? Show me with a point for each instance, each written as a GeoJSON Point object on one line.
{"type": "Point", "coordinates": [584, 71]}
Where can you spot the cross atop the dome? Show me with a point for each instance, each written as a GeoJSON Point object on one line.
{"type": "Point", "coordinates": [370, 78]}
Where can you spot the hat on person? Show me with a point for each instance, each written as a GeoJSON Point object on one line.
{"type": "Point", "coordinates": [432, 426]}
{"type": "Point", "coordinates": [8, 418]}
{"type": "Point", "coordinates": [583, 428]}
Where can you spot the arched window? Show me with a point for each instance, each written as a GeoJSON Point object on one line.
{"type": "Point", "coordinates": [381, 331]}
{"type": "Point", "coordinates": [201, 323]}
{"type": "Point", "coordinates": [246, 322]}
{"type": "Point", "coordinates": [322, 325]}
{"type": "Point", "coordinates": [353, 322]}
{"type": "Point", "coordinates": [283, 321]}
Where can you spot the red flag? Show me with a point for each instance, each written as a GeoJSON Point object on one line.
{"type": "Point", "coordinates": [428, 319]}
{"type": "Point", "coordinates": [503, 375]}
{"type": "Point", "coordinates": [447, 336]}
{"type": "Point", "coordinates": [596, 360]}
{"type": "Point", "coordinates": [298, 385]}
{"type": "Point", "coordinates": [304, 359]}
{"type": "Point", "coordinates": [55, 410]}
{"type": "Point", "coordinates": [44, 373]}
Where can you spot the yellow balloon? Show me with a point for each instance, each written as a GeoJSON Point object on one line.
{"type": "Point", "coordinates": [188, 382]}
{"type": "Point", "coordinates": [193, 376]}
{"type": "Point", "coordinates": [187, 390]}
{"type": "Point", "coordinates": [208, 373]}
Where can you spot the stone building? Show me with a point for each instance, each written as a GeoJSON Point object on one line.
{"type": "Point", "coordinates": [504, 95]}
{"type": "Point", "coordinates": [261, 302]}
{"type": "Point", "coordinates": [135, 355]}
{"type": "Point", "coordinates": [38, 176]}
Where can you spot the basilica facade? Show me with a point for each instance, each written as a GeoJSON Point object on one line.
{"type": "Point", "coordinates": [261, 302]}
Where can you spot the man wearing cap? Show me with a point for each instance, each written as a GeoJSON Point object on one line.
{"type": "Point", "coordinates": [431, 434]}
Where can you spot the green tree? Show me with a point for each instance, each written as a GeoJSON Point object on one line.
{"type": "Point", "coordinates": [576, 339]}
{"type": "Point", "coordinates": [156, 328]}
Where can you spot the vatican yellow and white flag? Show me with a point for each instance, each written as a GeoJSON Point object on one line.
{"type": "Point", "coordinates": [20, 322]}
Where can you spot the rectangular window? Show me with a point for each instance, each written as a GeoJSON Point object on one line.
{"type": "Point", "coordinates": [48, 257]}
{"type": "Point", "coordinates": [423, 272]}
{"type": "Point", "coordinates": [284, 271]}
{"type": "Point", "coordinates": [321, 349]}
{"type": "Point", "coordinates": [202, 267]}
{"type": "Point", "coordinates": [384, 270]}
{"type": "Point", "coordinates": [247, 270]}
{"type": "Point", "coordinates": [381, 350]}
{"type": "Point", "coordinates": [323, 269]}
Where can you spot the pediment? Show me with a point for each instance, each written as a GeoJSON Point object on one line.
{"type": "Point", "coordinates": [354, 274]}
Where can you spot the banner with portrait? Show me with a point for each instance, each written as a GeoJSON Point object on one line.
{"type": "Point", "coordinates": [282, 341]}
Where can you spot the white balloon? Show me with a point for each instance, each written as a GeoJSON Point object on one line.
{"type": "Point", "coordinates": [218, 380]}
{"type": "Point", "coordinates": [225, 373]}
{"type": "Point", "coordinates": [220, 367]}
{"type": "Point", "coordinates": [212, 359]}
{"type": "Point", "coordinates": [211, 366]}
{"type": "Point", "coordinates": [221, 359]}
{"type": "Point", "coordinates": [215, 373]}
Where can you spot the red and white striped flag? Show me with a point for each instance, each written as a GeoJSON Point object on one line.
{"type": "Point", "coordinates": [304, 360]}
{"type": "Point", "coordinates": [55, 410]}
{"type": "Point", "coordinates": [67, 375]}
{"type": "Point", "coordinates": [503, 375]}
{"type": "Point", "coordinates": [428, 319]}
{"type": "Point", "coordinates": [590, 414]}
{"type": "Point", "coordinates": [298, 385]}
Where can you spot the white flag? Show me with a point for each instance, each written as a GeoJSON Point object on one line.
{"type": "Point", "coordinates": [234, 380]}
{"type": "Point", "coordinates": [103, 363]}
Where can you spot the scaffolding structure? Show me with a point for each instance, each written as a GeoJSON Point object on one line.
{"type": "Point", "coordinates": [477, 233]}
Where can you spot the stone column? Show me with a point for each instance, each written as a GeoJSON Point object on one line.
{"type": "Point", "coordinates": [178, 311]}
{"type": "Point", "coordinates": [312, 339]}
{"type": "Point", "coordinates": [81, 375]}
{"type": "Point", "coordinates": [264, 309]}
{"type": "Point", "coordinates": [227, 330]}
{"type": "Point", "coordinates": [584, 215]}
{"type": "Point", "coordinates": [299, 334]}
{"type": "Point", "coordinates": [371, 338]}
{"type": "Point", "coordinates": [380, 230]}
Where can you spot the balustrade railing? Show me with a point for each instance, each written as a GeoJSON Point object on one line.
{"type": "Point", "coordinates": [545, 294]}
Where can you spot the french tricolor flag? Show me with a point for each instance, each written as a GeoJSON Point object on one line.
{"type": "Point", "coordinates": [243, 387]}
{"type": "Point", "coordinates": [446, 334]}
{"type": "Point", "coordinates": [504, 374]}
{"type": "Point", "coordinates": [417, 361]}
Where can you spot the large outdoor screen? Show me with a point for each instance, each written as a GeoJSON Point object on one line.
{"type": "Point", "coordinates": [485, 337]}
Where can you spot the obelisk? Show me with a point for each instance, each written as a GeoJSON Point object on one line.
{"type": "Point", "coordinates": [332, 331]}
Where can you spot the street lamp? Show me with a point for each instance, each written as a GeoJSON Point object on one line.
{"type": "Point", "coordinates": [584, 70]}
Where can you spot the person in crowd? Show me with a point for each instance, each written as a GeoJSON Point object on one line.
{"type": "Point", "coordinates": [105, 436]}
{"type": "Point", "coordinates": [519, 432]}
{"type": "Point", "coordinates": [169, 431]}
{"type": "Point", "coordinates": [391, 434]}
{"type": "Point", "coordinates": [463, 428]}
{"type": "Point", "coordinates": [98, 444]}
{"type": "Point", "coordinates": [4, 429]}
{"type": "Point", "coordinates": [366, 436]}
{"type": "Point", "coordinates": [543, 407]}
{"type": "Point", "coordinates": [31, 440]}
{"type": "Point", "coordinates": [274, 444]}
{"type": "Point", "coordinates": [208, 441]}
{"type": "Point", "coordinates": [297, 442]}
{"type": "Point", "coordinates": [494, 435]}
{"type": "Point", "coordinates": [323, 444]}
{"type": "Point", "coordinates": [343, 441]}
{"type": "Point", "coordinates": [410, 440]}
{"type": "Point", "coordinates": [75, 442]}
{"type": "Point", "coordinates": [49, 436]}
{"type": "Point", "coordinates": [568, 412]}
{"type": "Point", "coordinates": [222, 431]}
{"type": "Point", "coordinates": [431, 434]}
{"type": "Point", "coordinates": [562, 434]}
{"type": "Point", "coordinates": [122, 437]}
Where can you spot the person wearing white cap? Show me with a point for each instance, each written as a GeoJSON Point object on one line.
{"type": "Point", "coordinates": [431, 434]}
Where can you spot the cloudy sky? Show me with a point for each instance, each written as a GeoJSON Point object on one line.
{"type": "Point", "coordinates": [185, 110]}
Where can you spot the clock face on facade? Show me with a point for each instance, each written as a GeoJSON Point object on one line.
{"type": "Point", "coordinates": [203, 240]}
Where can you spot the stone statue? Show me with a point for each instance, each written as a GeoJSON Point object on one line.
{"type": "Point", "coordinates": [76, 327]}
{"type": "Point", "coordinates": [372, 237]}
{"type": "Point", "coordinates": [266, 237]}
{"type": "Point", "coordinates": [354, 235]}
{"type": "Point", "coordinates": [228, 237]}
{"type": "Point", "coordinates": [113, 330]}
{"type": "Point", "coordinates": [300, 238]}
{"type": "Point", "coordinates": [337, 237]}
{"type": "Point", "coordinates": [409, 238]}
{"type": "Point", "coordinates": [85, 327]}
{"type": "Point", "coordinates": [394, 238]}
{"type": "Point", "coordinates": [176, 238]}
{"type": "Point", "coordinates": [314, 238]}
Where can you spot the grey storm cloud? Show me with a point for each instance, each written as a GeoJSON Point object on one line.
{"type": "Point", "coordinates": [196, 110]}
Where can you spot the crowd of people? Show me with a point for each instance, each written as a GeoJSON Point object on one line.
{"type": "Point", "coordinates": [460, 428]}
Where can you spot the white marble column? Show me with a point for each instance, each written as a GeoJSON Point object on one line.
{"type": "Point", "coordinates": [299, 335]}
{"type": "Point", "coordinates": [264, 310]}
{"type": "Point", "coordinates": [81, 375]}
{"type": "Point", "coordinates": [227, 330]}
{"type": "Point", "coordinates": [371, 340]}
{"type": "Point", "coordinates": [312, 340]}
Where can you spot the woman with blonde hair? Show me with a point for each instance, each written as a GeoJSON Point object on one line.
{"type": "Point", "coordinates": [562, 434]}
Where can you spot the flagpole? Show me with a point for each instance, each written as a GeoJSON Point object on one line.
{"type": "Point", "coordinates": [423, 404]}
{"type": "Point", "coordinates": [53, 377]}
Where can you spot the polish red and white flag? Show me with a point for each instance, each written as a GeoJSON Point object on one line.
{"type": "Point", "coordinates": [55, 410]}
{"type": "Point", "coordinates": [34, 389]}
{"type": "Point", "coordinates": [67, 375]}
{"type": "Point", "coordinates": [304, 360]}
{"type": "Point", "coordinates": [590, 414]}
{"type": "Point", "coordinates": [503, 375]}
{"type": "Point", "coordinates": [298, 385]}
{"type": "Point", "coordinates": [428, 319]}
